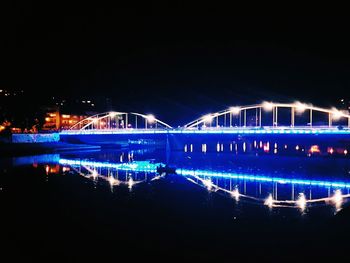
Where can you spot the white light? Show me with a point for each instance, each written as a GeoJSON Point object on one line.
{"type": "Point", "coordinates": [208, 118]}
{"type": "Point", "coordinates": [301, 202]}
{"type": "Point", "coordinates": [150, 118]}
{"type": "Point", "coordinates": [94, 174]}
{"type": "Point", "coordinates": [300, 107]}
{"type": "Point", "coordinates": [208, 183]}
{"type": "Point", "coordinates": [337, 199]}
{"type": "Point", "coordinates": [111, 180]}
{"type": "Point", "coordinates": [269, 201]}
{"type": "Point", "coordinates": [336, 114]}
{"type": "Point", "coordinates": [112, 114]}
{"type": "Point", "coordinates": [235, 194]}
{"type": "Point", "coordinates": [130, 183]}
{"type": "Point", "coordinates": [268, 106]}
{"type": "Point", "coordinates": [235, 110]}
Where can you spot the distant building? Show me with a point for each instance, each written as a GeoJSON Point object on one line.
{"type": "Point", "coordinates": [55, 120]}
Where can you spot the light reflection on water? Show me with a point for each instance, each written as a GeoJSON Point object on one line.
{"type": "Point", "coordinates": [277, 191]}
{"type": "Point", "coordinates": [116, 174]}
{"type": "Point", "coordinates": [272, 191]}
{"type": "Point", "coordinates": [306, 148]}
{"type": "Point", "coordinates": [256, 172]}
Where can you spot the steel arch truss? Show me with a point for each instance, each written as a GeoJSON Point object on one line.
{"type": "Point", "coordinates": [225, 117]}
{"type": "Point", "coordinates": [120, 120]}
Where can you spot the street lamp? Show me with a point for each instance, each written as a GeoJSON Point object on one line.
{"type": "Point", "coordinates": [235, 110]}
{"type": "Point", "coordinates": [208, 118]}
{"type": "Point", "coordinates": [300, 107]}
{"type": "Point", "coordinates": [112, 114]}
{"type": "Point", "coordinates": [268, 106]}
{"type": "Point", "coordinates": [336, 114]}
{"type": "Point", "coordinates": [150, 119]}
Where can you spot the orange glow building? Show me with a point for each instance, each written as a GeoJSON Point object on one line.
{"type": "Point", "coordinates": [54, 120]}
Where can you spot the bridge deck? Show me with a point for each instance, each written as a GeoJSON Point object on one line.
{"type": "Point", "coordinates": [220, 130]}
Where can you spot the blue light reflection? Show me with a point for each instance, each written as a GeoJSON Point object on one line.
{"type": "Point", "coordinates": [259, 178]}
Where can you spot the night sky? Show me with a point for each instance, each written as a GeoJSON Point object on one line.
{"type": "Point", "coordinates": [173, 60]}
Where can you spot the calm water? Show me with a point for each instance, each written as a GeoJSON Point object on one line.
{"type": "Point", "coordinates": [243, 203]}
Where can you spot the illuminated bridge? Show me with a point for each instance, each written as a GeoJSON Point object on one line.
{"type": "Point", "coordinates": [221, 130]}
{"type": "Point", "coordinates": [267, 117]}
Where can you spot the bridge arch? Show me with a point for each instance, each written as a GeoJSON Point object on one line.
{"type": "Point", "coordinates": [120, 120]}
{"type": "Point", "coordinates": [226, 117]}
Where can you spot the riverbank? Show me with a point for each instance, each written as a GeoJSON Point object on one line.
{"type": "Point", "coordinates": [17, 149]}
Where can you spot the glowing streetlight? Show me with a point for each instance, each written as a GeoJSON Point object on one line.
{"type": "Point", "coordinates": [208, 118]}
{"type": "Point", "coordinates": [268, 106]}
{"type": "Point", "coordinates": [150, 118]}
{"type": "Point", "coordinates": [336, 114]}
{"type": "Point", "coordinates": [235, 110]}
{"type": "Point", "coordinates": [300, 107]}
{"type": "Point", "coordinates": [112, 114]}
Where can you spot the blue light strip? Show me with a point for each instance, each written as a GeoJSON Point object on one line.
{"type": "Point", "coordinates": [139, 166]}
{"type": "Point", "coordinates": [263, 131]}
{"type": "Point", "coordinates": [145, 166]}
{"type": "Point", "coordinates": [116, 131]}
{"type": "Point", "coordinates": [258, 178]}
{"type": "Point", "coordinates": [213, 131]}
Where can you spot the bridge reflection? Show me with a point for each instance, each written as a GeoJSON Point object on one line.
{"type": "Point", "coordinates": [268, 190]}
{"type": "Point", "coordinates": [129, 174]}
{"type": "Point", "coordinates": [271, 191]}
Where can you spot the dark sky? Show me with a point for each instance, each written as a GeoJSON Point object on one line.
{"type": "Point", "coordinates": [172, 60]}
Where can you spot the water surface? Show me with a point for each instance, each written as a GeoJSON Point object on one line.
{"type": "Point", "coordinates": [218, 204]}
